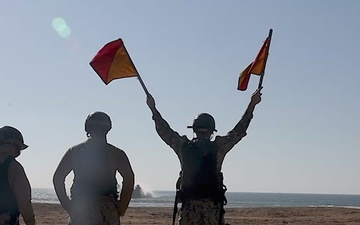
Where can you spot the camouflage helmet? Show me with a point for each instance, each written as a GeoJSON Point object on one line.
{"type": "Point", "coordinates": [12, 135]}
{"type": "Point", "coordinates": [203, 121]}
{"type": "Point", "coordinates": [97, 121]}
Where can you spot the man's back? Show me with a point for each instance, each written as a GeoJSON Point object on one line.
{"type": "Point", "coordinates": [94, 172]}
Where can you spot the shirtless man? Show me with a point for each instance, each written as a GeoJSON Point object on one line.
{"type": "Point", "coordinates": [95, 199]}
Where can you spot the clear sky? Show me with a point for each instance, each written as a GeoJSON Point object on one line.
{"type": "Point", "coordinates": [304, 137]}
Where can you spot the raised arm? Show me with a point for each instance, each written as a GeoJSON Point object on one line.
{"type": "Point", "coordinates": [127, 187]}
{"type": "Point", "coordinates": [239, 131]}
{"type": "Point", "coordinates": [168, 135]}
{"type": "Point", "coordinates": [22, 189]}
{"type": "Point", "coordinates": [63, 169]}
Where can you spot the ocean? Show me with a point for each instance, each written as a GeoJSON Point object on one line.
{"type": "Point", "coordinates": [235, 199]}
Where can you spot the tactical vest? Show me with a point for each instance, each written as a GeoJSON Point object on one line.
{"type": "Point", "coordinates": [8, 202]}
{"type": "Point", "coordinates": [200, 176]}
{"type": "Point", "coordinates": [92, 174]}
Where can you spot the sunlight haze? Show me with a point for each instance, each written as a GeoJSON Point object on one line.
{"type": "Point", "coordinates": [304, 134]}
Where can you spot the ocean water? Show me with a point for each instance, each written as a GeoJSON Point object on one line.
{"type": "Point", "coordinates": [235, 199]}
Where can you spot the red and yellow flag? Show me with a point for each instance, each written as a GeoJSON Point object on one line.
{"type": "Point", "coordinates": [113, 62]}
{"type": "Point", "coordinates": [256, 67]}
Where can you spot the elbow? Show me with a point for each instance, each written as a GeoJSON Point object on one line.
{"type": "Point", "coordinates": [130, 179]}
{"type": "Point", "coordinates": [57, 180]}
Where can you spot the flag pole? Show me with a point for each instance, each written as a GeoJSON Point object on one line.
{"type": "Point", "coordinates": [138, 74]}
{"type": "Point", "coordinates": [266, 56]}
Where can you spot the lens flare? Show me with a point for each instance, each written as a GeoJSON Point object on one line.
{"type": "Point", "coordinates": [61, 27]}
{"type": "Point", "coordinates": [65, 32]}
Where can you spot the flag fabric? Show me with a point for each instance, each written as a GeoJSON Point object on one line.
{"type": "Point", "coordinates": [257, 67]}
{"type": "Point", "coordinates": [113, 62]}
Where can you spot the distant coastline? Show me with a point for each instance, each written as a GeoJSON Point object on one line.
{"type": "Point", "coordinates": [235, 199]}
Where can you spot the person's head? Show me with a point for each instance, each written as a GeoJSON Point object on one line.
{"type": "Point", "coordinates": [11, 141]}
{"type": "Point", "coordinates": [97, 124]}
{"type": "Point", "coordinates": [203, 126]}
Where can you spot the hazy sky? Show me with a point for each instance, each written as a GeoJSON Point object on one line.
{"type": "Point", "coordinates": [304, 137]}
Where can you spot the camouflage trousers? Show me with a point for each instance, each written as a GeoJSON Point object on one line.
{"type": "Point", "coordinates": [201, 212]}
{"type": "Point", "coordinates": [102, 211]}
{"type": "Point", "coordinates": [7, 219]}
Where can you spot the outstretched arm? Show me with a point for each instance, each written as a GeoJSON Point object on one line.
{"type": "Point", "coordinates": [63, 169]}
{"type": "Point", "coordinates": [150, 101]}
{"type": "Point", "coordinates": [168, 135]}
{"type": "Point", "coordinates": [239, 131]}
{"type": "Point", "coordinates": [244, 123]}
{"type": "Point", "coordinates": [255, 99]}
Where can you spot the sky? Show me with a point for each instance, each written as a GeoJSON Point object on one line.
{"type": "Point", "coordinates": [304, 137]}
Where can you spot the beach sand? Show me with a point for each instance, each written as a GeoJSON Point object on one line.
{"type": "Point", "coordinates": [53, 214]}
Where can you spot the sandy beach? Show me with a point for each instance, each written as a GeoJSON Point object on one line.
{"type": "Point", "coordinates": [53, 214]}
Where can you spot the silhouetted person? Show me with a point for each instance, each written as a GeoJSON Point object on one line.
{"type": "Point", "coordinates": [15, 189]}
{"type": "Point", "coordinates": [94, 194]}
{"type": "Point", "coordinates": [200, 186]}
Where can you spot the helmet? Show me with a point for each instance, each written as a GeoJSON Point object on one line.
{"type": "Point", "coordinates": [203, 120]}
{"type": "Point", "coordinates": [8, 133]}
{"type": "Point", "coordinates": [97, 121]}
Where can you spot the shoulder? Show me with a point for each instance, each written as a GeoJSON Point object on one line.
{"type": "Point", "coordinates": [77, 147]}
{"type": "Point", "coordinates": [217, 138]}
{"type": "Point", "coordinates": [16, 169]}
{"type": "Point", "coordinates": [184, 140]}
{"type": "Point", "coordinates": [117, 155]}
{"type": "Point", "coordinates": [184, 137]}
{"type": "Point", "coordinates": [113, 150]}
{"type": "Point", "coordinates": [16, 165]}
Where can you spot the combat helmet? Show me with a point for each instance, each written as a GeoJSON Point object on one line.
{"type": "Point", "coordinates": [98, 121]}
{"type": "Point", "coordinates": [203, 121]}
{"type": "Point", "coordinates": [12, 135]}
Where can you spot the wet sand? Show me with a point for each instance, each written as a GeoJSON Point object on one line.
{"type": "Point", "coordinates": [54, 214]}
